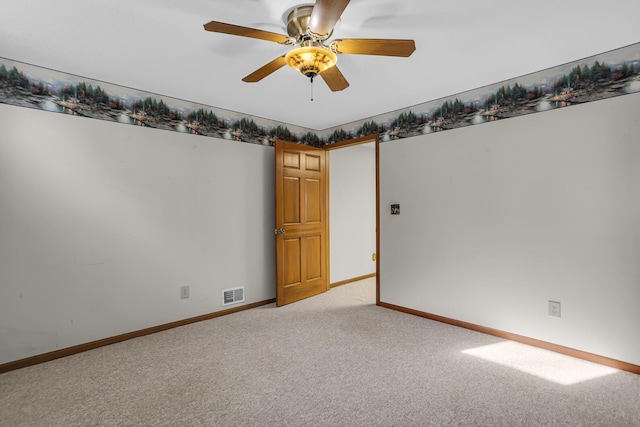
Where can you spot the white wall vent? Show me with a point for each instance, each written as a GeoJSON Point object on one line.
{"type": "Point", "coordinates": [232, 296]}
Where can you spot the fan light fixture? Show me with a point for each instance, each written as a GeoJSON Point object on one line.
{"type": "Point", "coordinates": [311, 60]}
{"type": "Point", "coordinates": [309, 26]}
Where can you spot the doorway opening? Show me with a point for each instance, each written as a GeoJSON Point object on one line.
{"type": "Point", "coordinates": [354, 211]}
{"type": "Point", "coordinates": [303, 211]}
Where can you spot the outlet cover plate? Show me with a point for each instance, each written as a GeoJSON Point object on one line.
{"type": "Point", "coordinates": [184, 292]}
{"type": "Point", "coordinates": [554, 308]}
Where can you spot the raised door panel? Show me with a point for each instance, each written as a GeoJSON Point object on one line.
{"type": "Point", "coordinates": [313, 254]}
{"type": "Point", "coordinates": [291, 160]}
{"type": "Point", "coordinates": [312, 163]}
{"type": "Point", "coordinates": [313, 201]}
{"type": "Point", "coordinates": [291, 200]}
{"type": "Point", "coordinates": [292, 264]}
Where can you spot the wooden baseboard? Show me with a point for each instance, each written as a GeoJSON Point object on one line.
{"type": "Point", "coordinates": [355, 279]}
{"type": "Point", "coordinates": [623, 366]}
{"type": "Point", "coordinates": [46, 357]}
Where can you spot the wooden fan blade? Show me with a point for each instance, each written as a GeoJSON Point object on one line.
{"type": "Point", "coordinates": [265, 70]}
{"type": "Point", "coordinates": [237, 30]}
{"type": "Point", "coordinates": [334, 79]}
{"type": "Point", "coordinates": [325, 15]}
{"type": "Point", "coordinates": [384, 47]}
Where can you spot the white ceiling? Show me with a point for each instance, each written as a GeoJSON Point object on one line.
{"type": "Point", "coordinates": [160, 46]}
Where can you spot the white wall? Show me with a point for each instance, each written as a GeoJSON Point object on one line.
{"type": "Point", "coordinates": [497, 219]}
{"type": "Point", "coordinates": [352, 205]}
{"type": "Point", "coordinates": [101, 223]}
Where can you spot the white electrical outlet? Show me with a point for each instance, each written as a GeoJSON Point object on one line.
{"type": "Point", "coordinates": [184, 292]}
{"type": "Point", "coordinates": [554, 308]}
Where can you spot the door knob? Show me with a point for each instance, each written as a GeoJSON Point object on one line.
{"type": "Point", "coordinates": [279, 231]}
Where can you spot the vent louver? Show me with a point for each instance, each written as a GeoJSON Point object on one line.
{"type": "Point", "coordinates": [232, 296]}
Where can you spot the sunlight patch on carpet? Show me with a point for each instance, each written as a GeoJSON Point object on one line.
{"type": "Point", "coordinates": [551, 366]}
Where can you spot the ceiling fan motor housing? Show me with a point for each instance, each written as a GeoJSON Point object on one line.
{"type": "Point", "coordinates": [297, 22]}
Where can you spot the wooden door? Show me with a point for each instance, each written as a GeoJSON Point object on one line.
{"type": "Point", "coordinates": [301, 222]}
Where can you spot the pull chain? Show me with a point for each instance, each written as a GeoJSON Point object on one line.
{"type": "Point", "coordinates": [311, 88]}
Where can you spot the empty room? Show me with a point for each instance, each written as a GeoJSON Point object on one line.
{"type": "Point", "coordinates": [327, 213]}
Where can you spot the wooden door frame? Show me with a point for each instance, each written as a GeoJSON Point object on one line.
{"type": "Point", "coordinates": [343, 144]}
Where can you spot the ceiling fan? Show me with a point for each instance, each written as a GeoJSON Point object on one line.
{"type": "Point", "coordinates": [309, 26]}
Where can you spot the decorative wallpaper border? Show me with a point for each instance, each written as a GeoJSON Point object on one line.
{"type": "Point", "coordinates": [31, 86]}
{"type": "Point", "coordinates": [602, 76]}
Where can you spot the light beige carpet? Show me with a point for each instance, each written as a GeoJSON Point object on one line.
{"type": "Point", "coordinates": [331, 360]}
